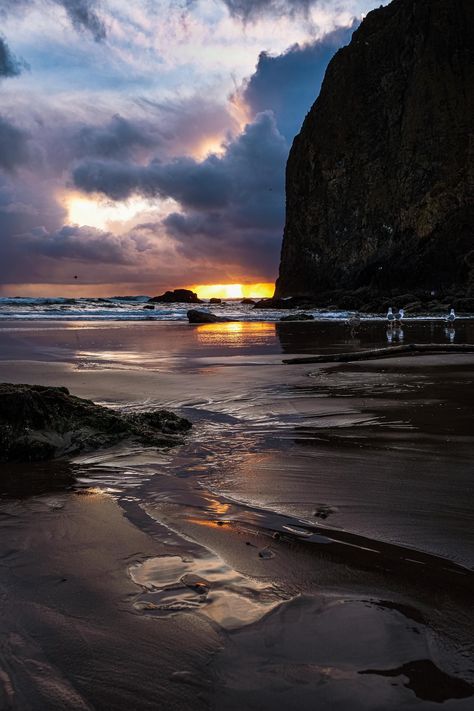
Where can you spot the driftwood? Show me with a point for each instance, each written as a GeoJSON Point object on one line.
{"type": "Point", "coordinates": [391, 351]}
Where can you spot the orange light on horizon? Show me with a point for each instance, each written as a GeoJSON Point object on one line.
{"type": "Point", "coordinates": [234, 291]}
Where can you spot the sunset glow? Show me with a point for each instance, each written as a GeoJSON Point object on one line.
{"type": "Point", "coordinates": [101, 214]}
{"type": "Point", "coordinates": [234, 291]}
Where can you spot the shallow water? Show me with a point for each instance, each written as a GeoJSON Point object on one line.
{"type": "Point", "coordinates": [321, 523]}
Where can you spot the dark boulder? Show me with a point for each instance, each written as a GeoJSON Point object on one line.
{"type": "Point", "coordinates": [247, 300]}
{"type": "Point", "coordinates": [38, 423]}
{"type": "Point", "coordinates": [149, 307]}
{"type": "Point", "coordinates": [200, 316]}
{"type": "Point", "coordinates": [178, 296]}
{"type": "Point", "coordinates": [215, 300]}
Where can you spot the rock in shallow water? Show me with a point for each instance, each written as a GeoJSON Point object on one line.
{"type": "Point", "coordinates": [298, 317]}
{"type": "Point", "coordinates": [200, 316]}
{"type": "Point", "coordinates": [38, 423]}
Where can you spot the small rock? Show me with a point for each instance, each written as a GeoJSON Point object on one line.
{"type": "Point", "coordinates": [298, 317]}
{"type": "Point", "coordinates": [323, 511]}
{"type": "Point", "coordinates": [194, 582]}
{"type": "Point", "coordinates": [200, 316]}
{"type": "Point", "coordinates": [266, 553]}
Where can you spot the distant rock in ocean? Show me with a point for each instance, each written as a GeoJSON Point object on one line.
{"type": "Point", "coordinates": [380, 180]}
{"type": "Point", "coordinates": [178, 296]}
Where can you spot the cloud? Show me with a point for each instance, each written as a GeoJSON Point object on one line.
{"type": "Point", "coordinates": [116, 139]}
{"type": "Point", "coordinates": [232, 205]}
{"type": "Point", "coordinates": [13, 146]}
{"type": "Point", "coordinates": [252, 9]}
{"type": "Point", "coordinates": [10, 66]}
{"type": "Point", "coordinates": [217, 215]}
{"type": "Point", "coordinates": [253, 159]}
{"type": "Point", "coordinates": [289, 83]}
{"type": "Point", "coordinates": [187, 124]}
{"type": "Point", "coordinates": [73, 242]}
{"type": "Point", "coordinates": [82, 13]}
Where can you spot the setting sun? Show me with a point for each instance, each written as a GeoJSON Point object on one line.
{"type": "Point", "coordinates": [234, 291]}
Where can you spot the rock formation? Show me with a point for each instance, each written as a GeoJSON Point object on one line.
{"type": "Point", "coordinates": [201, 316]}
{"type": "Point", "coordinates": [380, 180]}
{"type": "Point", "coordinates": [39, 423]}
{"type": "Point", "coordinates": [178, 296]}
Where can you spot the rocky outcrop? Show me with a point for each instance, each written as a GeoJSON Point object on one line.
{"type": "Point", "coordinates": [298, 317]}
{"type": "Point", "coordinates": [380, 180]}
{"type": "Point", "coordinates": [178, 296]}
{"type": "Point", "coordinates": [200, 316]}
{"type": "Point", "coordinates": [39, 423]}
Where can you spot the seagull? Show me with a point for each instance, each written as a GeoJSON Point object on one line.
{"type": "Point", "coordinates": [451, 318]}
{"type": "Point", "coordinates": [354, 322]}
{"type": "Point", "coordinates": [450, 333]}
{"type": "Point", "coordinates": [390, 316]}
{"type": "Point", "coordinates": [399, 315]}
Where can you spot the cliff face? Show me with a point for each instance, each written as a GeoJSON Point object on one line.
{"type": "Point", "coordinates": [380, 180]}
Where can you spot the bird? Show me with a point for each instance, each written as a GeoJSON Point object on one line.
{"type": "Point", "coordinates": [399, 315]}
{"type": "Point", "coordinates": [451, 318]}
{"type": "Point", "coordinates": [354, 322]}
{"type": "Point", "coordinates": [390, 316]}
{"type": "Point", "coordinates": [450, 333]}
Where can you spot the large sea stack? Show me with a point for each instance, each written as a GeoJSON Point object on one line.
{"type": "Point", "coordinates": [380, 180]}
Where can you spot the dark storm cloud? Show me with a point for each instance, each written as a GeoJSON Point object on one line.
{"type": "Point", "coordinates": [82, 13]}
{"type": "Point", "coordinates": [10, 66]}
{"type": "Point", "coordinates": [78, 243]}
{"type": "Point", "coordinates": [289, 83]}
{"type": "Point", "coordinates": [252, 161]}
{"type": "Point", "coordinates": [13, 146]}
{"type": "Point", "coordinates": [116, 140]}
{"type": "Point", "coordinates": [251, 9]}
{"type": "Point", "coordinates": [233, 204]}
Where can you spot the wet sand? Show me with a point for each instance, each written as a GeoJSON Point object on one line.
{"type": "Point", "coordinates": [311, 545]}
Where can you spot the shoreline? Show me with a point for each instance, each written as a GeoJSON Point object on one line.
{"type": "Point", "coordinates": [362, 454]}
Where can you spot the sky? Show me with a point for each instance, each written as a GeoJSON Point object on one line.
{"type": "Point", "coordinates": [143, 144]}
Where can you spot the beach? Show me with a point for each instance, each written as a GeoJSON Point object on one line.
{"type": "Point", "coordinates": [311, 543]}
